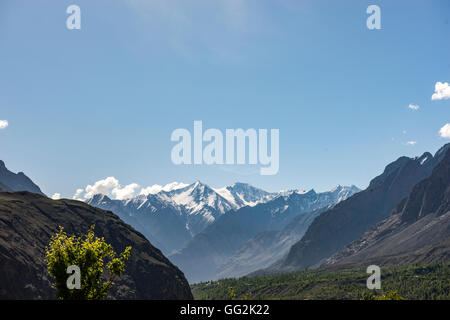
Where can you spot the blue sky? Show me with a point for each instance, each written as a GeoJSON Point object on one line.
{"type": "Point", "coordinates": [83, 105]}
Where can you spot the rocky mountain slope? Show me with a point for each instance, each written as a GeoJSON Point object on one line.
{"type": "Point", "coordinates": [204, 255]}
{"type": "Point", "coordinates": [266, 247]}
{"type": "Point", "coordinates": [4, 188]}
{"type": "Point", "coordinates": [159, 221]}
{"type": "Point", "coordinates": [28, 220]}
{"type": "Point", "coordinates": [171, 218]}
{"type": "Point", "coordinates": [418, 230]}
{"type": "Point", "coordinates": [348, 220]}
{"type": "Point", "coordinates": [16, 181]}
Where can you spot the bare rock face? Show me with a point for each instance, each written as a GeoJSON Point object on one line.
{"type": "Point", "coordinates": [28, 220]}
{"type": "Point", "coordinates": [10, 181]}
{"type": "Point", "coordinates": [350, 219]}
{"type": "Point", "coordinates": [4, 188]}
{"type": "Point", "coordinates": [417, 231]}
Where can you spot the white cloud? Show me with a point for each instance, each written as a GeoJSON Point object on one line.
{"type": "Point", "coordinates": [111, 187]}
{"type": "Point", "coordinates": [413, 106]}
{"type": "Point", "coordinates": [3, 124]}
{"type": "Point", "coordinates": [127, 192]}
{"type": "Point", "coordinates": [441, 91]}
{"type": "Point", "coordinates": [56, 196]}
{"type": "Point", "coordinates": [151, 190]}
{"type": "Point", "coordinates": [105, 186]}
{"type": "Point", "coordinates": [444, 132]}
{"type": "Point", "coordinates": [77, 195]}
{"type": "Point", "coordinates": [174, 186]}
{"type": "Point", "coordinates": [411, 143]}
{"type": "Point", "coordinates": [157, 188]}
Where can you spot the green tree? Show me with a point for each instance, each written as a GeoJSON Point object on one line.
{"type": "Point", "coordinates": [91, 254]}
{"type": "Point", "coordinates": [232, 293]}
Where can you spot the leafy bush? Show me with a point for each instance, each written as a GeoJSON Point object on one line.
{"type": "Point", "coordinates": [88, 252]}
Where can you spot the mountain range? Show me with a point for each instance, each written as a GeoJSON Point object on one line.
{"type": "Point", "coordinates": [206, 256]}
{"type": "Point", "coordinates": [170, 219]}
{"type": "Point", "coordinates": [267, 247]}
{"type": "Point", "coordinates": [336, 228]}
{"type": "Point", "coordinates": [27, 221]}
{"type": "Point", "coordinates": [417, 231]}
{"type": "Point", "coordinates": [402, 217]}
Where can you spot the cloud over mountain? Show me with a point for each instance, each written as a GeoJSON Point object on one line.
{"type": "Point", "coordinates": [56, 196]}
{"type": "Point", "coordinates": [111, 187]}
{"type": "Point", "coordinates": [157, 188]}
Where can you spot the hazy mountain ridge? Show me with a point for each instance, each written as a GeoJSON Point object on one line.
{"type": "Point", "coordinates": [349, 219]}
{"type": "Point", "coordinates": [16, 181]}
{"type": "Point", "coordinates": [209, 250]}
{"type": "Point", "coordinates": [160, 221]}
{"type": "Point", "coordinates": [171, 218]}
{"type": "Point", "coordinates": [266, 247]}
{"type": "Point", "coordinates": [4, 188]}
{"type": "Point", "coordinates": [418, 229]}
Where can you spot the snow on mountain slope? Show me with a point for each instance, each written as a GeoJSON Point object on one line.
{"type": "Point", "coordinates": [189, 208]}
{"type": "Point", "coordinates": [201, 259]}
{"type": "Point", "coordinates": [154, 189]}
{"type": "Point", "coordinates": [173, 214]}
{"type": "Point", "coordinates": [242, 194]}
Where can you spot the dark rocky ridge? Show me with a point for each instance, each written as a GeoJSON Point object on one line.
{"type": "Point", "coordinates": [349, 219]}
{"type": "Point", "coordinates": [417, 231]}
{"type": "Point", "coordinates": [16, 181]}
{"type": "Point", "coordinates": [27, 221]}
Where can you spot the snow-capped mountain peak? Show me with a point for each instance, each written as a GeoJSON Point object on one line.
{"type": "Point", "coordinates": [194, 194]}
{"type": "Point", "coordinates": [156, 188]}
{"type": "Point", "coordinates": [179, 211]}
{"type": "Point", "coordinates": [242, 194]}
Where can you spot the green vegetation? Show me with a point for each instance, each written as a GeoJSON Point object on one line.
{"type": "Point", "coordinates": [422, 282]}
{"type": "Point", "coordinates": [88, 253]}
{"type": "Point", "coordinates": [391, 295]}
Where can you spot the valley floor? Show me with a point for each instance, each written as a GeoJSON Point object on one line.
{"type": "Point", "coordinates": [412, 282]}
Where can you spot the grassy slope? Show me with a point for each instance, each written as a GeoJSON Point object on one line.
{"type": "Point", "coordinates": [430, 281]}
